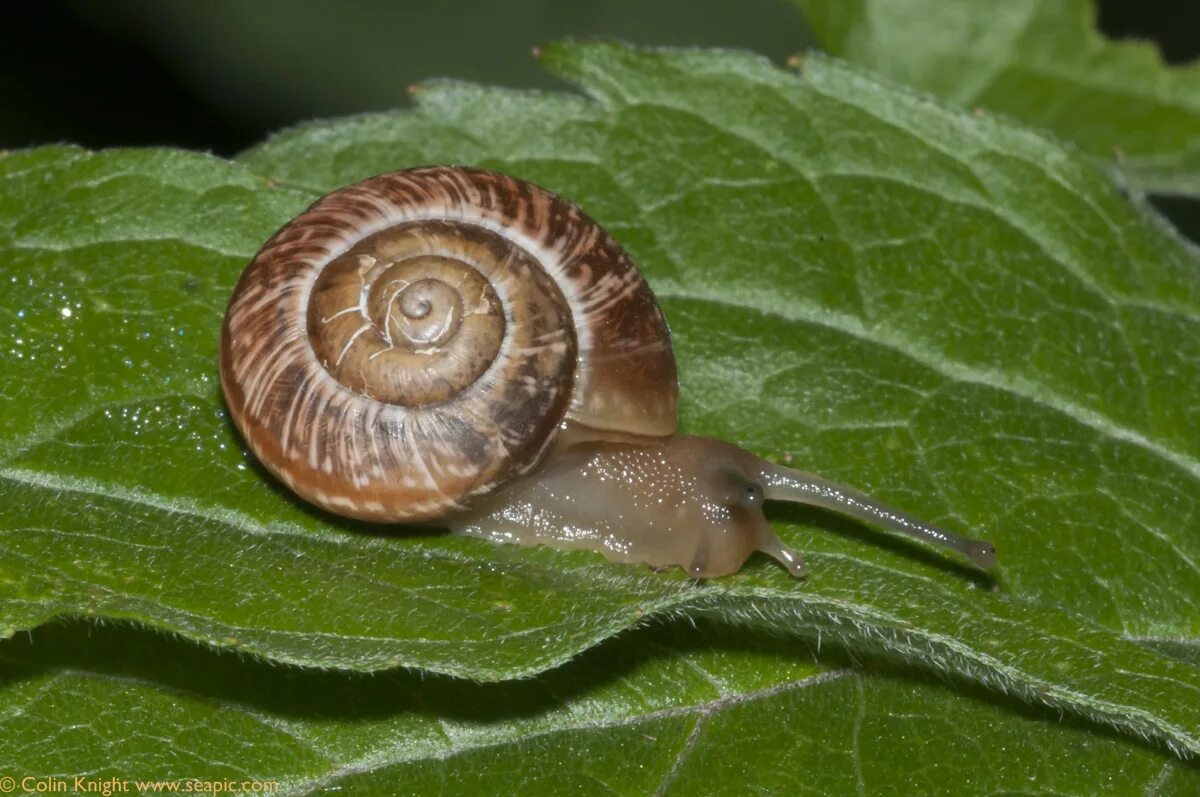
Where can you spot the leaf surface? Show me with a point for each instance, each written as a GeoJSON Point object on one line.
{"type": "Point", "coordinates": [950, 312]}
{"type": "Point", "coordinates": [665, 710]}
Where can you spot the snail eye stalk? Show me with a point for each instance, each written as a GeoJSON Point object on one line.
{"type": "Point", "coordinates": [786, 484]}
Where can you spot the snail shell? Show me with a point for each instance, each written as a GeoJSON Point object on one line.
{"type": "Point", "coordinates": [416, 339]}
{"type": "Point", "coordinates": [456, 345]}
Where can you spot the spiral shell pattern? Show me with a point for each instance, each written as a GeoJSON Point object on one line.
{"type": "Point", "coordinates": [419, 338]}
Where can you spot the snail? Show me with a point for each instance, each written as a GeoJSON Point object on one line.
{"type": "Point", "coordinates": [454, 346]}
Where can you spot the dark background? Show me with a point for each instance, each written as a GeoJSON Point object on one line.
{"type": "Point", "coordinates": [219, 76]}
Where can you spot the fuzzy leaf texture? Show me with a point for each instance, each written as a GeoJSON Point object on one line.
{"type": "Point", "coordinates": [950, 312]}
{"type": "Point", "coordinates": [1040, 61]}
{"type": "Point", "coordinates": [662, 710]}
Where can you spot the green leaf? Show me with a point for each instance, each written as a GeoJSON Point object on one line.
{"type": "Point", "coordinates": [663, 710]}
{"type": "Point", "coordinates": [1040, 61]}
{"type": "Point", "coordinates": [950, 312]}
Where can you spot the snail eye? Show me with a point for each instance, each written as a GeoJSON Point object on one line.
{"type": "Point", "coordinates": [752, 495]}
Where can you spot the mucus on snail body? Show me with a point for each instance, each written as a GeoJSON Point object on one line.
{"type": "Point", "coordinates": [455, 346]}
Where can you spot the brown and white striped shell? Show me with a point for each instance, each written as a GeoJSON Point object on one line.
{"type": "Point", "coordinates": [419, 338]}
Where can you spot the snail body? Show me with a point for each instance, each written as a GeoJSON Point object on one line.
{"type": "Point", "coordinates": [456, 346]}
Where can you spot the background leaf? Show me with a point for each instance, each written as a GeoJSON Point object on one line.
{"type": "Point", "coordinates": [948, 311]}
{"type": "Point", "coordinates": [1040, 61]}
